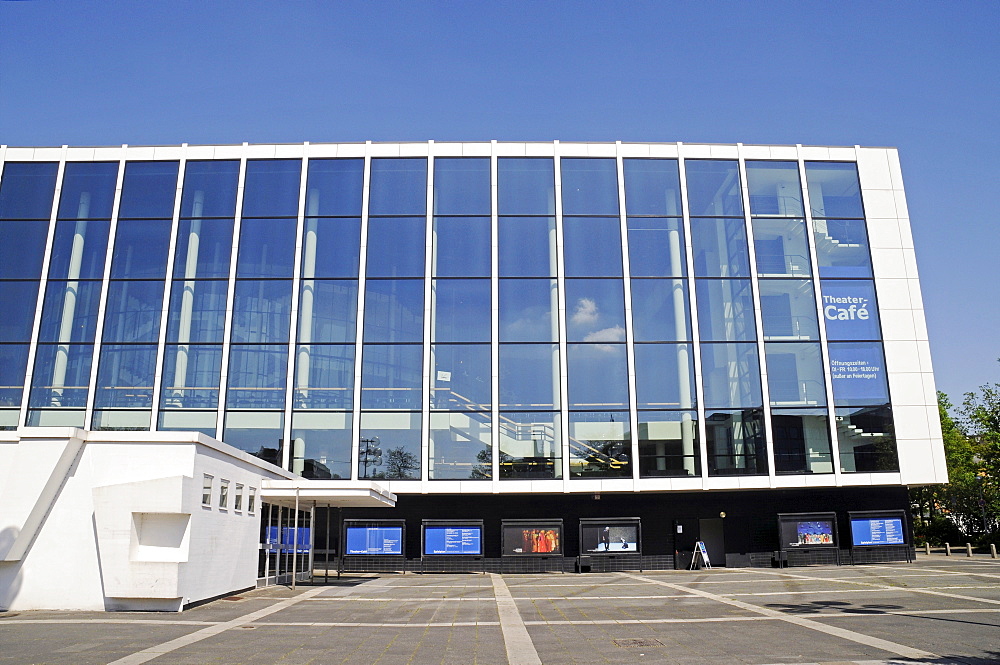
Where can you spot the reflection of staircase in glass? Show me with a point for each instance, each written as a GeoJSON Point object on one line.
{"type": "Point", "coordinates": [826, 243]}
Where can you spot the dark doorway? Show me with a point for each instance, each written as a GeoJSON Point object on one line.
{"type": "Point", "coordinates": [711, 533]}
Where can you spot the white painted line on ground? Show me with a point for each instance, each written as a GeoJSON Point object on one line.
{"type": "Point", "coordinates": [860, 638]}
{"type": "Point", "coordinates": [520, 649]}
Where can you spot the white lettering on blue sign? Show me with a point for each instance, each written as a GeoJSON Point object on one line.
{"type": "Point", "coordinates": [857, 308]}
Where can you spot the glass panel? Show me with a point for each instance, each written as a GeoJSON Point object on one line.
{"type": "Point", "coordinates": [589, 186]}
{"type": "Point", "coordinates": [56, 418]}
{"type": "Point", "coordinates": [834, 190]}
{"type": "Point", "coordinates": [26, 190]}
{"type": "Point", "coordinates": [125, 376]}
{"type": "Point", "coordinates": [527, 246]}
{"type": "Point", "coordinates": [210, 189]}
{"type": "Point", "coordinates": [526, 186]}
{"type": "Point", "coordinates": [461, 247]}
{"type": "Point", "coordinates": [203, 248]}
{"type": "Point", "coordinates": [262, 311]}
{"type": "Point", "coordinates": [197, 311]}
{"type": "Point", "coordinates": [781, 247]}
{"type": "Point", "coordinates": [462, 186]}
{"type": "Point", "coordinates": [720, 248]}
{"type": "Point", "coordinates": [257, 377]}
{"type": "Point", "coordinates": [62, 375]}
{"type": "Point", "coordinates": [324, 377]}
{"type": "Point", "coordinates": [461, 310]}
{"type": "Point", "coordinates": [598, 376]}
{"type": "Point", "coordinates": [69, 313]}
{"type": "Point", "coordinates": [529, 376]}
{"type": "Point", "coordinates": [398, 187]}
{"type": "Point", "coordinates": [141, 249]}
{"type": "Point", "coordinates": [272, 188]}
{"type": "Point", "coordinates": [188, 421]}
{"type": "Point", "coordinates": [600, 445]}
{"type": "Point", "coordinates": [668, 444]}
{"type": "Point", "coordinates": [850, 310]}
{"type": "Point", "coordinates": [795, 374]}
{"type": "Point", "coordinates": [391, 376]}
{"type": "Point", "coordinates": [656, 247]}
{"type": "Point", "coordinates": [730, 375]}
{"type": "Point", "coordinates": [660, 310]}
{"type": "Point", "coordinates": [149, 190]}
{"type": "Point", "coordinates": [131, 420]}
{"type": "Point", "coordinates": [13, 366]}
{"type": "Point", "coordinates": [19, 318]}
{"type": "Point", "coordinates": [867, 439]}
{"type": "Point", "coordinates": [88, 190]}
{"type": "Point", "coordinates": [259, 433]}
{"type": "Point", "coordinates": [664, 376]}
{"type": "Point", "coordinates": [652, 187]}
{"type": "Point", "coordinates": [713, 187]}
{"type": "Point", "coordinates": [801, 441]}
{"type": "Point", "coordinates": [191, 377]}
{"type": "Point", "coordinates": [328, 310]}
{"type": "Point", "coordinates": [460, 447]}
{"type": "Point", "coordinates": [857, 370]}
{"type": "Point", "coordinates": [595, 310]}
{"type": "Point", "coordinates": [394, 310]}
{"type": "Point", "coordinates": [133, 312]}
{"type": "Point", "coordinates": [334, 187]}
{"type": "Point", "coordinates": [331, 248]}
{"type": "Point", "coordinates": [736, 443]}
{"type": "Point", "coordinates": [593, 247]}
{"type": "Point", "coordinates": [842, 248]}
{"type": "Point", "coordinates": [22, 248]}
{"type": "Point", "coordinates": [321, 445]}
{"type": "Point", "coordinates": [396, 247]}
{"type": "Point", "coordinates": [725, 310]}
{"type": "Point", "coordinates": [530, 445]}
{"type": "Point", "coordinates": [774, 188]}
{"type": "Point", "coordinates": [529, 310]}
{"type": "Point", "coordinates": [389, 446]}
{"type": "Point", "coordinates": [79, 250]}
{"type": "Point", "coordinates": [267, 248]}
{"type": "Point", "coordinates": [788, 309]}
{"type": "Point", "coordinates": [460, 379]}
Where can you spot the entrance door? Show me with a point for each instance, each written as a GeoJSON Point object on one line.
{"type": "Point", "coordinates": [711, 533]}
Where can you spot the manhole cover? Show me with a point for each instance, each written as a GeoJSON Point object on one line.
{"type": "Point", "coordinates": [638, 642]}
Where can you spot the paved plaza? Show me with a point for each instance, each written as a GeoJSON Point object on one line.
{"type": "Point", "coordinates": [937, 610]}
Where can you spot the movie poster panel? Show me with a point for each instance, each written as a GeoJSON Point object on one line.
{"type": "Point", "coordinates": [808, 530]}
{"type": "Point", "coordinates": [537, 538]}
{"type": "Point", "coordinates": [452, 538]}
{"type": "Point", "coordinates": [373, 539]}
{"type": "Point", "coordinates": [877, 529]}
{"type": "Point", "coordinates": [609, 536]}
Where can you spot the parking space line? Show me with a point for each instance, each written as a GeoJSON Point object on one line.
{"type": "Point", "coordinates": [517, 642]}
{"type": "Point", "coordinates": [860, 638]}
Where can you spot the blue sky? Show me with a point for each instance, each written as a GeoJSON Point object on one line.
{"type": "Point", "coordinates": [916, 75]}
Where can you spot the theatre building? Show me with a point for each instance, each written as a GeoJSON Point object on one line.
{"type": "Point", "coordinates": [223, 366]}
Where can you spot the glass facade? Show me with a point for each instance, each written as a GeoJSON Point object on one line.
{"type": "Point", "coordinates": [454, 318]}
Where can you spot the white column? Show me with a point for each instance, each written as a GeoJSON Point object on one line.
{"type": "Point", "coordinates": [70, 291]}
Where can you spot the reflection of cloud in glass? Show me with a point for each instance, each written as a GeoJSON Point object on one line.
{"type": "Point", "coordinates": [586, 312]}
{"type": "Point", "coordinates": [615, 334]}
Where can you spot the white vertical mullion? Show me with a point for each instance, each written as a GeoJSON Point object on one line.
{"type": "Point", "coordinates": [633, 416]}
{"type": "Point", "coordinates": [359, 317]}
{"type": "Point", "coordinates": [821, 320]}
{"type": "Point", "coordinates": [42, 285]}
{"type": "Point", "coordinates": [161, 343]}
{"type": "Point", "coordinates": [105, 287]}
{"type": "Point", "coordinates": [495, 319]}
{"type": "Point", "coordinates": [425, 409]}
{"type": "Point", "coordinates": [561, 284]}
{"type": "Point", "coordinates": [293, 327]}
{"type": "Point", "coordinates": [227, 331]}
{"type": "Point", "coordinates": [693, 313]}
{"type": "Point", "coordinates": [758, 322]}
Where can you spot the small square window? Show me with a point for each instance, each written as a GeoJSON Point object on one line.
{"type": "Point", "coordinates": [224, 494]}
{"type": "Point", "coordinates": [206, 490]}
{"type": "Point", "coordinates": [252, 500]}
{"type": "Point", "coordinates": [238, 498]}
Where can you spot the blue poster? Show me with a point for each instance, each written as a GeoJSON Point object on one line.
{"type": "Point", "coordinates": [288, 539]}
{"type": "Point", "coordinates": [374, 540]}
{"type": "Point", "coordinates": [453, 540]}
{"type": "Point", "coordinates": [877, 531]}
{"type": "Point", "coordinates": [858, 373]}
{"type": "Point", "coordinates": [849, 309]}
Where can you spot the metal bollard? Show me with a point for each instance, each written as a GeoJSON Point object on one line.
{"type": "Point", "coordinates": [927, 549]}
{"type": "Point", "coordinates": [993, 551]}
{"type": "Point", "coordinates": [968, 549]}
{"type": "Point", "coordinates": [947, 549]}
